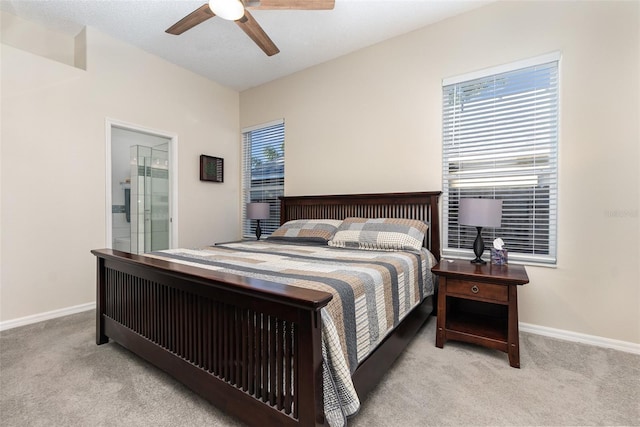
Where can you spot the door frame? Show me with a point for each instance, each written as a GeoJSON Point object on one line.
{"type": "Point", "coordinates": [110, 123]}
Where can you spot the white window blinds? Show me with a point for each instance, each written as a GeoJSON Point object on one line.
{"type": "Point", "coordinates": [263, 173]}
{"type": "Point", "coordinates": [500, 136]}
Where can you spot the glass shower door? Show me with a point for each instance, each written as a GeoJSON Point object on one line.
{"type": "Point", "coordinates": [149, 199]}
{"type": "Point", "coordinates": [157, 237]}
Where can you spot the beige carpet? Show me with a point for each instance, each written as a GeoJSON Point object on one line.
{"type": "Point", "coordinates": [53, 374]}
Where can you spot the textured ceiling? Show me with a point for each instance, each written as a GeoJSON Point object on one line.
{"type": "Point", "coordinates": [220, 51]}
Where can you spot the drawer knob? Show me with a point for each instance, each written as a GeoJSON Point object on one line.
{"type": "Point", "coordinates": [475, 289]}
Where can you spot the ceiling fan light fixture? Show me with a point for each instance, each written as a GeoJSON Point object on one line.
{"type": "Point", "coordinates": [230, 10]}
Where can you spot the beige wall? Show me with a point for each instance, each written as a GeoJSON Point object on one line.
{"type": "Point", "coordinates": [37, 39]}
{"type": "Point", "coordinates": [371, 122]}
{"type": "Point", "coordinates": [374, 117]}
{"type": "Point", "coordinates": [53, 160]}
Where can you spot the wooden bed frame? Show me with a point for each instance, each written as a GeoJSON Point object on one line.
{"type": "Point", "coordinates": [249, 346]}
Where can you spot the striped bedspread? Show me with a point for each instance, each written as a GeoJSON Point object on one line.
{"type": "Point", "coordinates": [372, 292]}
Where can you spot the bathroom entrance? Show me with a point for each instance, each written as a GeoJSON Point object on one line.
{"type": "Point", "coordinates": [141, 201]}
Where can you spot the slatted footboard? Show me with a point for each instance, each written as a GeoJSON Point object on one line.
{"type": "Point", "coordinates": [251, 347]}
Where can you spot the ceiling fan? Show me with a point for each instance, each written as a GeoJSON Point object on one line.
{"type": "Point", "coordinates": [237, 10]}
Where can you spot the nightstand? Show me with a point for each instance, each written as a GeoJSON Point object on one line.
{"type": "Point", "coordinates": [479, 304]}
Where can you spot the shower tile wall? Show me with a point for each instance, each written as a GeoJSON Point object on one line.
{"type": "Point", "coordinates": [121, 228]}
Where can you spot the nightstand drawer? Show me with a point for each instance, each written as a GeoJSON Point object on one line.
{"type": "Point", "coordinates": [478, 290]}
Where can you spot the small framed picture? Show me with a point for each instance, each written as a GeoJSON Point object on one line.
{"type": "Point", "coordinates": [211, 169]}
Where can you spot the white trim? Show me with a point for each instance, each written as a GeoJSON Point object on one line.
{"type": "Point", "coordinates": [173, 173]}
{"type": "Point", "coordinates": [594, 340]}
{"type": "Point", "coordinates": [561, 334]}
{"type": "Point", "coordinates": [468, 255]}
{"type": "Point", "coordinates": [108, 242]}
{"type": "Point", "coordinates": [173, 192]}
{"type": "Point", "coordinates": [504, 68]}
{"type": "Point", "coordinates": [40, 317]}
{"type": "Point", "coordinates": [262, 125]}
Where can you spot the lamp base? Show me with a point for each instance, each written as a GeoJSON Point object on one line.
{"type": "Point", "coordinates": [478, 248]}
{"type": "Point", "coordinates": [258, 230]}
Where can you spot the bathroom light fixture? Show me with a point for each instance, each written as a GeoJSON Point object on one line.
{"type": "Point", "coordinates": [480, 213]}
{"type": "Point", "coordinates": [258, 211]}
{"type": "Point", "coordinates": [230, 10]}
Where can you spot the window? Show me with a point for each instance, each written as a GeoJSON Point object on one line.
{"type": "Point", "coordinates": [262, 173]}
{"type": "Point", "coordinates": [500, 137]}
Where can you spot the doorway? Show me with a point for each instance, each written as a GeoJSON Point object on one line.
{"type": "Point", "coordinates": [141, 185]}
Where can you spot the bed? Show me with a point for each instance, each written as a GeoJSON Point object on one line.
{"type": "Point", "coordinates": [254, 346]}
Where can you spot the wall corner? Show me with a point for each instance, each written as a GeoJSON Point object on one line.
{"type": "Point", "coordinates": [80, 50]}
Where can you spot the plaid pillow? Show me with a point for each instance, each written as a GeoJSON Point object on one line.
{"type": "Point", "coordinates": [310, 230]}
{"type": "Point", "coordinates": [380, 234]}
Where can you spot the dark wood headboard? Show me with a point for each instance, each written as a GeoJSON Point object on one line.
{"type": "Point", "coordinates": [422, 206]}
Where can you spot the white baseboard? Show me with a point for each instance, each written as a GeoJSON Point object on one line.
{"type": "Point", "coordinates": [561, 334]}
{"type": "Point", "coordinates": [35, 318]}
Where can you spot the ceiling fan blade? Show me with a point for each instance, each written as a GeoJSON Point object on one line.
{"type": "Point", "coordinates": [196, 17]}
{"type": "Point", "coordinates": [291, 4]}
{"type": "Point", "coordinates": [251, 27]}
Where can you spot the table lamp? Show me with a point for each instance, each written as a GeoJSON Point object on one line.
{"type": "Point", "coordinates": [480, 213]}
{"type": "Point", "coordinates": [258, 211]}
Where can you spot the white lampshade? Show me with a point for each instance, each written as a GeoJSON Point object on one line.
{"type": "Point", "coordinates": [480, 212]}
{"type": "Point", "coordinates": [227, 9]}
{"type": "Point", "coordinates": [257, 210]}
